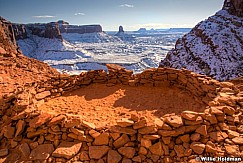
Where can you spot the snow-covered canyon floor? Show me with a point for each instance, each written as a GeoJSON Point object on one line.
{"type": "Point", "coordinates": [83, 52]}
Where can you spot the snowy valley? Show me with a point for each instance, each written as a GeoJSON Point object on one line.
{"type": "Point", "coordinates": [90, 51]}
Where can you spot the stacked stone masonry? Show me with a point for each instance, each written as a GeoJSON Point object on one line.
{"type": "Point", "coordinates": [42, 137]}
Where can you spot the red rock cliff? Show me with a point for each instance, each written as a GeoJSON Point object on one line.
{"type": "Point", "coordinates": [8, 45]}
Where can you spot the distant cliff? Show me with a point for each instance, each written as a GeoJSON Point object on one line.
{"type": "Point", "coordinates": [67, 28]}
{"type": "Point", "coordinates": [46, 30]}
{"type": "Point", "coordinates": [52, 29]}
{"type": "Point", "coordinates": [214, 47]}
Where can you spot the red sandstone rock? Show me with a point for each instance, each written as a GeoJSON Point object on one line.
{"type": "Point", "coordinates": [189, 115]}
{"type": "Point", "coordinates": [233, 134]}
{"type": "Point", "coordinates": [125, 122]}
{"type": "Point", "coordinates": [195, 137]}
{"type": "Point", "coordinates": [151, 137]}
{"type": "Point", "coordinates": [121, 141]}
{"type": "Point", "coordinates": [84, 156]}
{"type": "Point", "coordinates": [197, 147]}
{"type": "Point", "coordinates": [128, 152]}
{"type": "Point", "coordinates": [102, 139]}
{"type": "Point", "coordinates": [157, 149]}
{"type": "Point", "coordinates": [238, 140]}
{"type": "Point", "coordinates": [8, 132]}
{"type": "Point", "coordinates": [25, 150]}
{"type": "Point", "coordinates": [142, 151]}
{"type": "Point", "coordinates": [67, 150]}
{"type": "Point", "coordinates": [174, 121]}
{"type": "Point", "coordinates": [42, 152]}
{"type": "Point", "coordinates": [179, 149]}
{"type": "Point", "coordinates": [218, 136]}
{"type": "Point", "coordinates": [140, 124]}
{"type": "Point", "coordinates": [97, 152]}
{"type": "Point", "coordinates": [166, 140]}
{"type": "Point", "coordinates": [40, 120]}
{"type": "Point", "coordinates": [210, 147]}
{"type": "Point", "coordinates": [113, 157]}
{"type": "Point", "coordinates": [3, 152]}
{"type": "Point", "coordinates": [57, 119]}
{"type": "Point", "coordinates": [42, 95]}
{"type": "Point", "coordinates": [148, 130]}
{"type": "Point", "coordinates": [202, 130]}
{"type": "Point", "coordinates": [146, 143]}
{"type": "Point", "coordinates": [88, 125]}
{"type": "Point", "coordinates": [20, 127]}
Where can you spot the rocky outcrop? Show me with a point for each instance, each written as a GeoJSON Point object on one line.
{"type": "Point", "coordinates": [20, 31]}
{"type": "Point", "coordinates": [214, 47]}
{"type": "Point", "coordinates": [49, 30]}
{"type": "Point", "coordinates": [8, 46]}
{"type": "Point", "coordinates": [121, 30]}
{"type": "Point", "coordinates": [234, 7]}
{"type": "Point", "coordinates": [66, 28]}
{"type": "Point", "coordinates": [123, 36]}
{"type": "Point", "coordinates": [16, 69]}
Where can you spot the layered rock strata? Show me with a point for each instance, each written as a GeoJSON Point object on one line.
{"type": "Point", "coordinates": [8, 46]}
{"type": "Point", "coordinates": [82, 29]}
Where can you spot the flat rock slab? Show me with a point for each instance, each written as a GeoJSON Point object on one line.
{"type": "Point", "coordinates": [40, 120]}
{"type": "Point", "coordinates": [42, 152]}
{"type": "Point", "coordinates": [67, 149]}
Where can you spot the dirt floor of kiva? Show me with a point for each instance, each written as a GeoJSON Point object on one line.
{"type": "Point", "coordinates": [104, 105]}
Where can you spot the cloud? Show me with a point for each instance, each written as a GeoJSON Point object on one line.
{"type": "Point", "coordinates": [44, 16]}
{"type": "Point", "coordinates": [79, 13]}
{"type": "Point", "coordinates": [127, 5]}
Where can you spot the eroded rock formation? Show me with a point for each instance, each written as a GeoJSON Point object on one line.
{"type": "Point", "coordinates": [8, 46]}
{"type": "Point", "coordinates": [49, 30]}
{"type": "Point", "coordinates": [20, 31]}
{"type": "Point", "coordinates": [66, 28]}
{"type": "Point", "coordinates": [123, 36]}
{"type": "Point", "coordinates": [213, 47]}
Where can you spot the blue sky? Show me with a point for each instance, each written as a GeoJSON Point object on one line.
{"type": "Point", "coordinates": [132, 14]}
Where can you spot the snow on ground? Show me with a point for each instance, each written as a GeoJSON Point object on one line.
{"type": "Point", "coordinates": [214, 47]}
{"type": "Point", "coordinates": [83, 52]}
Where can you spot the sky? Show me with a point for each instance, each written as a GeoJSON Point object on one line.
{"type": "Point", "coordinates": [110, 14]}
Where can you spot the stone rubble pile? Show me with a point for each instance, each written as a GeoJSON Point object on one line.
{"type": "Point", "coordinates": [33, 136]}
